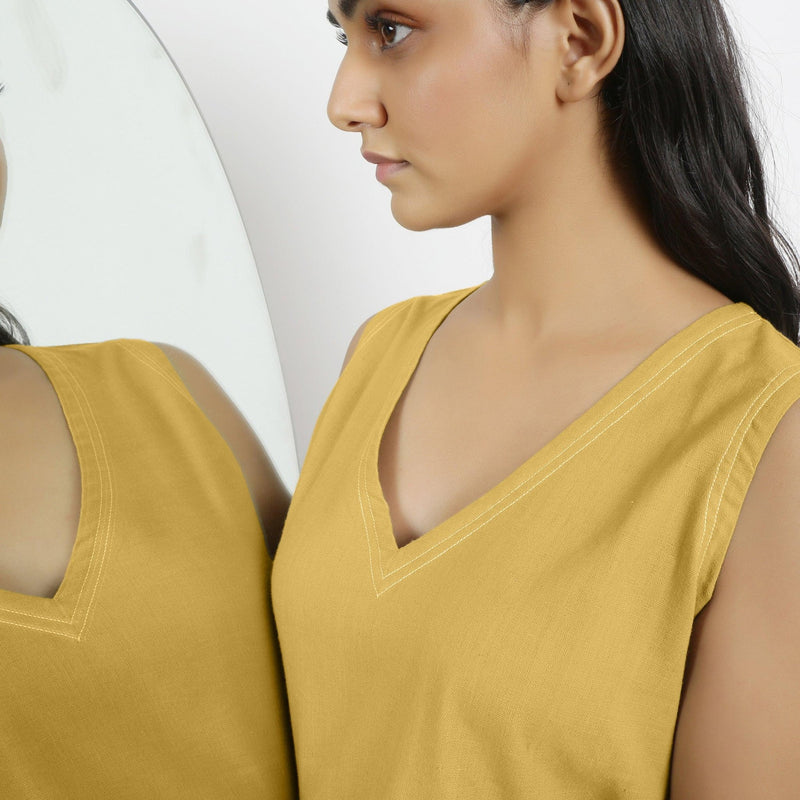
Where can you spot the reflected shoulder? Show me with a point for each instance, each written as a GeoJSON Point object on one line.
{"type": "Point", "coordinates": [269, 495]}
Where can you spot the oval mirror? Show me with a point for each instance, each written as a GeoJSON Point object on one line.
{"type": "Point", "coordinates": [119, 220]}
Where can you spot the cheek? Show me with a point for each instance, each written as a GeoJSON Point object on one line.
{"type": "Point", "coordinates": [462, 104]}
{"type": "Point", "coordinates": [427, 107]}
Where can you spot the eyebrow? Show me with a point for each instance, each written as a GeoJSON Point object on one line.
{"type": "Point", "coordinates": [347, 7]}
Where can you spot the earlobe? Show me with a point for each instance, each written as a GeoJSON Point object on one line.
{"type": "Point", "coordinates": [595, 36]}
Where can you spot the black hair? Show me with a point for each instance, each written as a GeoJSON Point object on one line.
{"type": "Point", "coordinates": [11, 331]}
{"type": "Point", "coordinates": [679, 127]}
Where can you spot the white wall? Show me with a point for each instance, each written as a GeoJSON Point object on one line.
{"type": "Point", "coordinates": [327, 248]}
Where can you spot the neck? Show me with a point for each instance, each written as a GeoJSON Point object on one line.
{"type": "Point", "coordinates": [576, 254]}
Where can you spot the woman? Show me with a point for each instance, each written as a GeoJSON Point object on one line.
{"type": "Point", "coordinates": [496, 575]}
{"type": "Point", "coordinates": [138, 651]}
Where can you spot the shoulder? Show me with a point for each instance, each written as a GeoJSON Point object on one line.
{"type": "Point", "coordinates": [270, 497]}
{"type": "Point", "coordinates": [769, 352]}
{"type": "Point", "coordinates": [196, 377]}
{"type": "Point", "coordinates": [351, 348]}
{"type": "Point", "coordinates": [407, 312]}
{"type": "Point", "coordinates": [209, 396]}
{"type": "Point", "coordinates": [739, 723]}
{"type": "Point", "coordinates": [25, 389]}
{"type": "Point", "coordinates": [374, 323]}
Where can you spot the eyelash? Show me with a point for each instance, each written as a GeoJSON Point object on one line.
{"type": "Point", "coordinates": [374, 24]}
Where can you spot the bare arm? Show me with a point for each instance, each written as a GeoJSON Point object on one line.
{"type": "Point", "coordinates": [270, 496]}
{"type": "Point", "coordinates": [738, 734]}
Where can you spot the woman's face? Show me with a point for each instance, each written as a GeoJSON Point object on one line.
{"type": "Point", "coordinates": [441, 86]}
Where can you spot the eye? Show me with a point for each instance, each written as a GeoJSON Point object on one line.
{"type": "Point", "coordinates": [392, 33]}
{"type": "Point", "coordinates": [341, 37]}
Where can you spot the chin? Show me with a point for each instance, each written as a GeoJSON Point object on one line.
{"type": "Point", "coordinates": [420, 217]}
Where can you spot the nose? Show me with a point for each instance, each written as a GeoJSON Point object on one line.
{"type": "Point", "coordinates": [354, 103]}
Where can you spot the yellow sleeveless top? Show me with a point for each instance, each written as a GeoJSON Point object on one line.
{"type": "Point", "coordinates": [533, 644]}
{"type": "Point", "coordinates": [154, 671]}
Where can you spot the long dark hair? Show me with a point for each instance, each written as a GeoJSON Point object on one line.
{"type": "Point", "coordinates": [11, 331]}
{"type": "Point", "coordinates": [679, 126]}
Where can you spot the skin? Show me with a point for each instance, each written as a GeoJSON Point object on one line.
{"type": "Point", "coordinates": [39, 461]}
{"type": "Point", "coordinates": [581, 293]}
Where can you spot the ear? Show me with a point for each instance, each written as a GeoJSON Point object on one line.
{"type": "Point", "coordinates": [594, 35]}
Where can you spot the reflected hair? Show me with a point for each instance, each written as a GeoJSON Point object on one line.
{"type": "Point", "coordinates": [679, 130]}
{"type": "Point", "coordinates": [11, 331]}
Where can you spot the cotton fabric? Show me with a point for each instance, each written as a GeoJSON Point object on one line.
{"type": "Point", "coordinates": [154, 671]}
{"type": "Point", "coordinates": [532, 645]}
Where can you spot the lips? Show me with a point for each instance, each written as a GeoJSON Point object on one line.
{"type": "Point", "coordinates": [386, 167]}
{"type": "Point", "coordinates": [376, 158]}
{"type": "Point", "coordinates": [385, 171]}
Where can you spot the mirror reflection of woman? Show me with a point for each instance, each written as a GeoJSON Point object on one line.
{"type": "Point", "coordinates": [545, 540]}
{"type": "Point", "coordinates": [138, 517]}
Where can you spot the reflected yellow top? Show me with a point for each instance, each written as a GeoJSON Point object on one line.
{"type": "Point", "coordinates": [153, 672]}
{"type": "Point", "coordinates": [533, 644]}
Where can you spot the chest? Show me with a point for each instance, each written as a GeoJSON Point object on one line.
{"type": "Point", "coordinates": [463, 424]}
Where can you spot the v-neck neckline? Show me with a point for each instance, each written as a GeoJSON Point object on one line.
{"type": "Point", "coordinates": [391, 563]}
